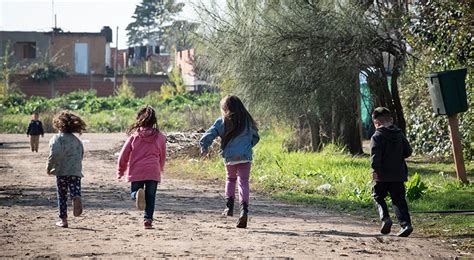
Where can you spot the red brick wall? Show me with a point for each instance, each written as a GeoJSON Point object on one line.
{"type": "Point", "coordinates": [104, 86]}
{"type": "Point", "coordinates": [184, 60]}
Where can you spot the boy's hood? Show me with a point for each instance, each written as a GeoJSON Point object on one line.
{"type": "Point", "coordinates": [147, 134]}
{"type": "Point", "coordinates": [391, 133]}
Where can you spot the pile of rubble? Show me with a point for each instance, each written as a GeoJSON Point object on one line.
{"type": "Point", "coordinates": [186, 144]}
{"type": "Point", "coordinates": [178, 145]}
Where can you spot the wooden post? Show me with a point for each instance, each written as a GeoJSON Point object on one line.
{"type": "Point", "coordinates": [457, 148]}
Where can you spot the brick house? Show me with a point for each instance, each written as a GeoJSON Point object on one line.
{"type": "Point", "coordinates": [79, 52]}
{"type": "Point", "coordinates": [87, 57]}
{"type": "Point", "coordinates": [184, 62]}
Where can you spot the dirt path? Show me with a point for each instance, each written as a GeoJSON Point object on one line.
{"type": "Point", "coordinates": [187, 220]}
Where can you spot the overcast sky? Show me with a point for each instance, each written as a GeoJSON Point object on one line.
{"type": "Point", "coordinates": [74, 15]}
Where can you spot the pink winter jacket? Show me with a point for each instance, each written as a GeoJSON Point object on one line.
{"type": "Point", "coordinates": [143, 154]}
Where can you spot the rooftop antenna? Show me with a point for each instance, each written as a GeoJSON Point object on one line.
{"type": "Point", "coordinates": [53, 16]}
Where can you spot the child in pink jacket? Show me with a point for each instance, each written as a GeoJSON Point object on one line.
{"type": "Point", "coordinates": [143, 155]}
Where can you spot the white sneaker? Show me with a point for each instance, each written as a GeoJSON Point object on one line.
{"type": "Point", "coordinates": [140, 199]}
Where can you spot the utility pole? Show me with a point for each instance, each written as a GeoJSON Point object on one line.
{"type": "Point", "coordinates": [115, 60]}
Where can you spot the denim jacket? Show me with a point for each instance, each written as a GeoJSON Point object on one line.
{"type": "Point", "coordinates": [239, 148]}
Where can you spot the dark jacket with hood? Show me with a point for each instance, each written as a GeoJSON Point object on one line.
{"type": "Point", "coordinates": [388, 150]}
{"type": "Point", "coordinates": [35, 128]}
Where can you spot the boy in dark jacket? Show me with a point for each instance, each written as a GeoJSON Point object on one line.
{"type": "Point", "coordinates": [35, 129]}
{"type": "Point", "coordinates": [388, 150]}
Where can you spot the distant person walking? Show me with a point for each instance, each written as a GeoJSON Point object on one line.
{"type": "Point", "coordinates": [143, 156]}
{"type": "Point", "coordinates": [35, 129]}
{"type": "Point", "coordinates": [65, 162]}
{"type": "Point", "coordinates": [239, 133]}
{"type": "Point", "coordinates": [388, 150]}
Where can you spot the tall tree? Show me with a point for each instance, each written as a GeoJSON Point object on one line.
{"type": "Point", "coordinates": [152, 22]}
{"type": "Point", "coordinates": [183, 34]}
{"type": "Point", "coordinates": [294, 59]}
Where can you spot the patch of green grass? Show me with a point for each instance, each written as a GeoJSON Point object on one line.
{"type": "Point", "coordinates": [337, 181]}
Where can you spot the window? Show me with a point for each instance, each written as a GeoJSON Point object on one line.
{"type": "Point", "coordinates": [25, 50]}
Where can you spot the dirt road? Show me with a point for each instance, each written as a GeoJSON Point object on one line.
{"type": "Point", "coordinates": [187, 219]}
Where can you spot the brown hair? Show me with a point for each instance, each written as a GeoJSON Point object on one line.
{"type": "Point", "coordinates": [146, 117]}
{"type": "Point", "coordinates": [382, 114]}
{"type": "Point", "coordinates": [68, 122]}
{"type": "Point", "coordinates": [236, 118]}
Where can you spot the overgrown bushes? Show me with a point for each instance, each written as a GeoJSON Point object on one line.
{"type": "Point", "coordinates": [111, 114]}
{"type": "Point", "coordinates": [441, 39]}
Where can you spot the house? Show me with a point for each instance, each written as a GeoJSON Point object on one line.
{"type": "Point", "coordinates": [184, 62]}
{"type": "Point", "coordinates": [26, 47]}
{"type": "Point", "coordinates": [79, 52]}
{"type": "Point", "coordinates": [87, 56]}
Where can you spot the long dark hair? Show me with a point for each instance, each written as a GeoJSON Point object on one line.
{"type": "Point", "coordinates": [146, 117]}
{"type": "Point", "coordinates": [236, 118]}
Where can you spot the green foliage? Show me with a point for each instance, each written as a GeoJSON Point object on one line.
{"type": "Point", "coordinates": [415, 187]}
{"type": "Point", "coordinates": [45, 71]}
{"type": "Point", "coordinates": [294, 60]}
{"type": "Point", "coordinates": [178, 82]}
{"type": "Point", "coordinates": [114, 113]}
{"type": "Point", "coordinates": [7, 70]}
{"type": "Point", "coordinates": [151, 21]}
{"type": "Point", "coordinates": [441, 38]}
{"type": "Point", "coordinates": [125, 90]}
{"type": "Point", "coordinates": [167, 90]}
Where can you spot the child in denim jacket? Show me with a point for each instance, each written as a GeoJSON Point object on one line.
{"type": "Point", "coordinates": [239, 133]}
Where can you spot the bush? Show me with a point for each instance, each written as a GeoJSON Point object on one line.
{"type": "Point", "coordinates": [125, 90]}
{"type": "Point", "coordinates": [415, 187]}
{"type": "Point", "coordinates": [114, 113]}
{"type": "Point", "coordinates": [45, 71]}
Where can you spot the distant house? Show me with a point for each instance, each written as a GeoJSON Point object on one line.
{"type": "Point", "coordinates": [87, 57]}
{"type": "Point", "coordinates": [79, 52]}
{"type": "Point", "coordinates": [184, 62]}
{"type": "Point", "coordinates": [26, 47]}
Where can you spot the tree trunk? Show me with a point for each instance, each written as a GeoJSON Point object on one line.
{"type": "Point", "coordinates": [352, 131]}
{"type": "Point", "coordinates": [326, 127]}
{"type": "Point", "coordinates": [314, 128]}
{"type": "Point", "coordinates": [400, 118]}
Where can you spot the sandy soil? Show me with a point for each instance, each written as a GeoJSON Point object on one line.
{"type": "Point", "coordinates": [187, 218]}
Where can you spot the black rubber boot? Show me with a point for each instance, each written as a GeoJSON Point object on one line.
{"type": "Point", "coordinates": [244, 211]}
{"type": "Point", "coordinates": [229, 207]}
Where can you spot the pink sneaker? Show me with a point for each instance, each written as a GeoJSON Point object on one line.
{"type": "Point", "coordinates": [148, 224]}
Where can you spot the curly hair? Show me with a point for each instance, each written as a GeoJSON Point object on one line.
{"type": "Point", "coordinates": [146, 117]}
{"type": "Point", "coordinates": [68, 122]}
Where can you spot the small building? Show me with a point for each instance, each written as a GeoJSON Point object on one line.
{"type": "Point", "coordinates": [184, 62]}
{"type": "Point", "coordinates": [79, 52]}
{"type": "Point", "coordinates": [26, 47]}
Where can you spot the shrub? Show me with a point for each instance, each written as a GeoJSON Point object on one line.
{"type": "Point", "coordinates": [45, 71]}
{"type": "Point", "coordinates": [415, 187]}
{"type": "Point", "coordinates": [125, 89]}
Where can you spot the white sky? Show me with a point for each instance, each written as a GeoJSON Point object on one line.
{"type": "Point", "coordinates": [74, 15]}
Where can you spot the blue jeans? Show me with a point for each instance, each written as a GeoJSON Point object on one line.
{"type": "Point", "coordinates": [150, 194]}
